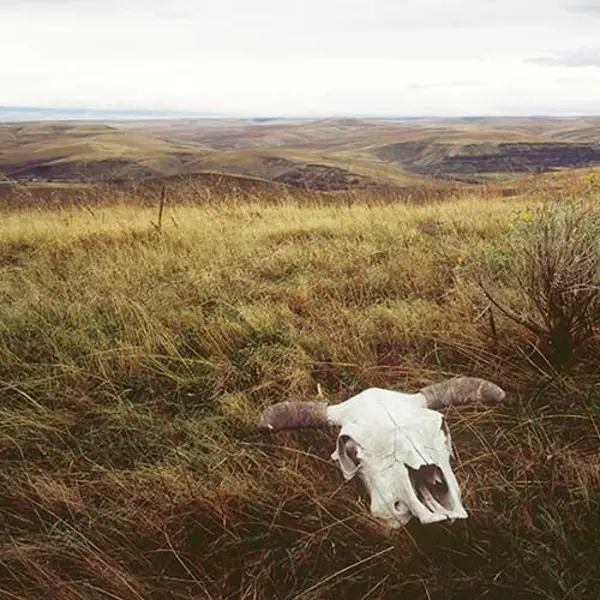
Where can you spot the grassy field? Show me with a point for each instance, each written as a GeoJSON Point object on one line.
{"type": "Point", "coordinates": [134, 361]}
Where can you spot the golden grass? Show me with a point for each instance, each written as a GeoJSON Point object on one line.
{"type": "Point", "coordinates": [134, 361]}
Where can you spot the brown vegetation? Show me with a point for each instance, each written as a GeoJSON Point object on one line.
{"type": "Point", "coordinates": [135, 360]}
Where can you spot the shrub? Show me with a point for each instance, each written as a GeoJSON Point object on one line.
{"type": "Point", "coordinates": [553, 272]}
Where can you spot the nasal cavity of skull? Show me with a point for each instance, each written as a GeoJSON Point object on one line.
{"type": "Point", "coordinates": [430, 486]}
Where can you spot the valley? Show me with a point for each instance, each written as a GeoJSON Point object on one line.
{"type": "Point", "coordinates": [326, 155]}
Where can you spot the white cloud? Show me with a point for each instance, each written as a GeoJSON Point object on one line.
{"type": "Point", "coordinates": [317, 56]}
{"type": "Point", "coordinates": [583, 57]}
{"type": "Point", "coordinates": [590, 6]}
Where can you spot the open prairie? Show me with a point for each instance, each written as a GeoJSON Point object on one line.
{"type": "Point", "coordinates": [137, 350]}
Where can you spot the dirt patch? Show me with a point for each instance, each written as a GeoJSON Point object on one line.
{"type": "Point", "coordinates": [324, 178]}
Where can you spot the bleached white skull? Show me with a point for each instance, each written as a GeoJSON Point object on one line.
{"type": "Point", "coordinates": [396, 443]}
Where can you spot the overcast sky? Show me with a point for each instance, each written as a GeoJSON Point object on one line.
{"type": "Point", "coordinates": [311, 57]}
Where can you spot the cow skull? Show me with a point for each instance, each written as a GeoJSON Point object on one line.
{"type": "Point", "coordinates": [397, 443]}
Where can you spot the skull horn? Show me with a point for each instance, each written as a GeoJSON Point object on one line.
{"type": "Point", "coordinates": [462, 390]}
{"type": "Point", "coordinates": [294, 415]}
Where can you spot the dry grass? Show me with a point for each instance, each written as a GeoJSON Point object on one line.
{"type": "Point", "coordinates": [133, 363]}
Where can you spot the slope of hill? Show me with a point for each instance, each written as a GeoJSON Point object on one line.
{"type": "Point", "coordinates": [326, 154]}
{"type": "Point", "coordinates": [87, 151]}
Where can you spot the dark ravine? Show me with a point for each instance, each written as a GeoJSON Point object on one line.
{"type": "Point", "coordinates": [428, 157]}
{"type": "Point", "coordinates": [78, 171]}
{"type": "Point", "coordinates": [520, 157]}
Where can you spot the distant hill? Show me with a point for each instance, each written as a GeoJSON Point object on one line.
{"type": "Point", "coordinates": [323, 155]}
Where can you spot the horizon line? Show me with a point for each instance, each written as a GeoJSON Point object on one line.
{"type": "Point", "coordinates": [158, 113]}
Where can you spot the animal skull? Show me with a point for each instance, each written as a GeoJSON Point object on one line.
{"type": "Point", "coordinates": [397, 443]}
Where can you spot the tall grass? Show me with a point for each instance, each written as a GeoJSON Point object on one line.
{"type": "Point", "coordinates": [133, 364]}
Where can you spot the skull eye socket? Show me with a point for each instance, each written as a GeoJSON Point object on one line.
{"type": "Point", "coordinates": [347, 455]}
{"type": "Point", "coordinates": [350, 449]}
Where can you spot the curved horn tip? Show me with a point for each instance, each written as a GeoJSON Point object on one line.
{"type": "Point", "coordinates": [294, 415]}
{"type": "Point", "coordinates": [491, 392]}
{"type": "Point", "coordinates": [463, 390]}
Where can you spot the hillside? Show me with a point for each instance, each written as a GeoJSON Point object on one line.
{"type": "Point", "coordinates": [323, 155]}
{"type": "Point", "coordinates": [85, 151]}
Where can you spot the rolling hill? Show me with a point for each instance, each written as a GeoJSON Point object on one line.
{"type": "Point", "coordinates": [323, 155]}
